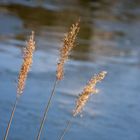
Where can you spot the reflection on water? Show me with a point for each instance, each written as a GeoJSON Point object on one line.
{"type": "Point", "coordinates": [108, 40]}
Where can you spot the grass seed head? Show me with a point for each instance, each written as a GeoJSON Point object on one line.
{"type": "Point", "coordinates": [68, 45]}
{"type": "Point", "coordinates": [27, 62]}
{"type": "Point", "coordinates": [89, 89]}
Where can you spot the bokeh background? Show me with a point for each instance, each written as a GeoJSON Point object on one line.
{"type": "Point", "coordinates": [109, 39]}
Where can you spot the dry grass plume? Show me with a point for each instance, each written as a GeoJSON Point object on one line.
{"type": "Point", "coordinates": [89, 89]}
{"type": "Point", "coordinates": [27, 62]}
{"type": "Point", "coordinates": [68, 45]}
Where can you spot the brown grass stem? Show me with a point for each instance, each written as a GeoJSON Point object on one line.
{"type": "Point", "coordinates": [27, 62]}
{"type": "Point", "coordinates": [11, 117]}
{"type": "Point", "coordinates": [68, 45]}
{"type": "Point", "coordinates": [46, 110]}
{"type": "Point", "coordinates": [89, 89]}
{"type": "Point", "coordinates": [66, 128]}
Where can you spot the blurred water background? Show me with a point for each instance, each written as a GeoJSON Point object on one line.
{"type": "Point", "coordinates": [109, 39]}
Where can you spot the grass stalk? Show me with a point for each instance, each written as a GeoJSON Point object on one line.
{"type": "Point", "coordinates": [11, 118]}
{"type": "Point", "coordinates": [27, 62]}
{"type": "Point", "coordinates": [46, 110]}
{"type": "Point", "coordinates": [88, 90]}
{"type": "Point", "coordinates": [66, 129]}
{"type": "Point", "coordinates": [68, 45]}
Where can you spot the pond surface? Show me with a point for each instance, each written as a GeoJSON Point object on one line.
{"type": "Point", "coordinates": [109, 40]}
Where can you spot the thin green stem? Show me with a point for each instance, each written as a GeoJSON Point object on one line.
{"type": "Point", "coordinates": [66, 129]}
{"type": "Point", "coordinates": [11, 118]}
{"type": "Point", "coordinates": [46, 111]}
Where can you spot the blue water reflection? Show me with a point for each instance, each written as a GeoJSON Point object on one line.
{"type": "Point", "coordinates": [108, 40]}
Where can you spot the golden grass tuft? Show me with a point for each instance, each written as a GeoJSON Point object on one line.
{"type": "Point", "coordinates": [89, 89]}
{"type": "Point", "coordinates": [27, 62]}
{"type": "Point", "coordinates": [68, 45]}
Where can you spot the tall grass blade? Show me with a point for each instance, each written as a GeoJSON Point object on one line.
{"type": "Point", "coordinates": [68, 45]}
{"type": "Point", "coordinates": [89, 89]}
{"type": "Point", "coordinates": [66, 129]}
{"type": "Point", "coordinates": [11, 117]}
{"type": "Point", "coordinates": [27, 62]}
{"type": "Point", "coordinates": [46, 111]}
